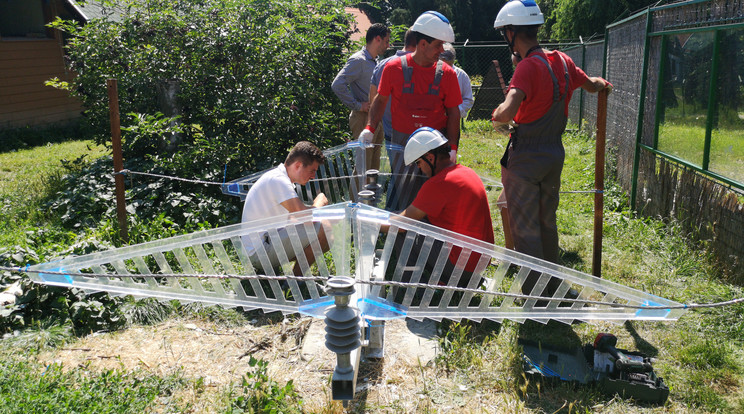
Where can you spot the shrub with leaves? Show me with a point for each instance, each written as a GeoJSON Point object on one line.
{"type": "Point", "coordinates": [261, 394]}
{"type": "Point", "coordinates": [250, 78]}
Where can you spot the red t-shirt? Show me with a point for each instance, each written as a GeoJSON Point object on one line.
{"type": "Point", "coordinates": [455, 199]}
{"type": "Point", "coordinates": [391, 84]}
{"type": "Point", "coordinates": [532, 77]}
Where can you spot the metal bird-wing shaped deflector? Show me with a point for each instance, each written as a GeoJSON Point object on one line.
{"type": "Point", "coordinates": [402, 266]}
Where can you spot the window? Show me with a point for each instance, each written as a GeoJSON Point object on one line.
{"type": "Point", "coordinates": [22, 18]}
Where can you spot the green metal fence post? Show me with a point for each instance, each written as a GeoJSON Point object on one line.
{"type": "Point", "coordinates": [641, 107]}
{"type": "Point", "coordinates": [659, 110]}
{"type": "Point", "coordinates": [712, 98]}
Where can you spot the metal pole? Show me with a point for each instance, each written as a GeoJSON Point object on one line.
{"type": "Point", "coordinates": [599, 166]}
{"type": "Point", "coordinates": [712, 98]}
{"type": "Point", "coordinates": [642, 108]}
{"type": "Point", "coordinates": [121, 209]}
{"type": "Point", "coordinates": [372, 176]}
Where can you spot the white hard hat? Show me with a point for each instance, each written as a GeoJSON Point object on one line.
{"type": "Point", "coordinates": [422, 141]}
{"type": "Point", "coordinates": [434, 24]}
{"type": "Point", "coordinates": [519, 13]}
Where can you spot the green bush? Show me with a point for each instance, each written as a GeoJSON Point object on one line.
{"type": "Point", "coordinates": [251, 77]}
{"type": "Point", "coordinates": [261, 394]}
{"type": "Point", "coordinates": [26, 387]}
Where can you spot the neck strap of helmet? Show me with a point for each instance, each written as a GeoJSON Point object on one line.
{"type": "Point", "coordinates": [510, 43]}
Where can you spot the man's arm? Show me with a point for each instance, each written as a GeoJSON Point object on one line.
{"type": "Point", "coordinates": [340, 86]}
{"type": "Point", "coordinates": [372, 93]}
{"type": "Point", "coordinates": [410, 212]}
{"type": "Point", "coordinates": [294, 204]}
{"type": "Point", "coordinates": [466, 89]}
{"type": "Point", "coordinates": [413, 212]}
{"type": "Point", "coordinates": [453, 126]}
{"type": "Point", "coordinates": [376, 109]}
{"type": "Point", "coordinates": [508, 109]}
{"type": "Point", "coordinates": [596, 84]}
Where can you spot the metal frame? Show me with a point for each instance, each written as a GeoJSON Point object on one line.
{"type": "Point", "coordinates": [712, 107]}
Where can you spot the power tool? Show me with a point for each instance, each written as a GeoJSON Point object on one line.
{"type": "Point", "coordinates": [613, 370]}
{"type": "Point", "coordinates": [629, 374]}
{"type": "Point", "coordinates": [606, 342]}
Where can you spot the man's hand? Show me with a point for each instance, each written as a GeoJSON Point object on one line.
{"type": "Point", "coordinates": [320, 201]}
{"type": "Point", "coordinates": [608, 86]}
{"type": "Point", "coordinates": [504, 128]}
{"type": "Point", "coordinates": [365, 107]}
{"type": "Point", "coordinates": [453, 156]}
{"type": "Point", "coordinates": [367, 135]}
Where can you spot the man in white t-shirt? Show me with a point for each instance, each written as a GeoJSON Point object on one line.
{"type": "Point", "coordinates": [274, 195]}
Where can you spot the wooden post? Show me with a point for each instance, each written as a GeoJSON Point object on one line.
{"type": "Point", "coordinates": [121, 209]}
{"type": "Point", "coordinates": [599, 166]}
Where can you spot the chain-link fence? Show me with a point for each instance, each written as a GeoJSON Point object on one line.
{"type": "Point", "coordinates": [490, 69]}
{"type": "Point", "coordinates": [674, 111]}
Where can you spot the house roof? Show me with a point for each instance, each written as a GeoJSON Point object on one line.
{"type": "Point", "coordinates": [362, 23]}
{"type": "Point", "coordinates": [91, 9]}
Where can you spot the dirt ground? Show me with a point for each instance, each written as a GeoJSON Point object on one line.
{"type": "Point", "coordinates": [404, 381]}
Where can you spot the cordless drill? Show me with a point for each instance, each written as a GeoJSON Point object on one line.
{"type": "Point", "coordinates": [605, 342]}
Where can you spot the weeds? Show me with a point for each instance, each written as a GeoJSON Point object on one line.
{"type": "Point", "coordinates": [26, 387]}
{"type": "Point", "coordinates": [261, 394]}
{"type": "Point", "coordinates": [42, 335]}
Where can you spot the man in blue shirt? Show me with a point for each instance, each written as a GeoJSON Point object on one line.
{"type": "Point", "coordinates": [466, 89]}
{"type": "Point", "coordinates": [351, 85]}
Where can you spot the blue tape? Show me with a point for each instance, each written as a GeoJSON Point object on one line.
{"type": "Point", "coordinates": [652, 313]}
{"type": "Point", "coordinates": [383, 306]}
{"type": "Point", "coordinates": [56, 279]}
{"type": "Point", "coordinates": [233, 188]}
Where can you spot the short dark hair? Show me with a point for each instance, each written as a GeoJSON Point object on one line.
{"type": "Point", "coordinates": [305, 152]}
{"type": "Point", "coordinates": [442, 150]}
{"type": "Point", "coordinates": [419, 36]}
{"type": "Point", "coordinates": [377, 29]}
{"type": "Point", "coordinates": [528, 31]}
{"type": "Point", "coordinates": [409, 40]}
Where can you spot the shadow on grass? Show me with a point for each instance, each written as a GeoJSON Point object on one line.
{"type": "Point", "coordinates": [570, 258]}
{"type": "Point", "coordinates": [641, 344]}
{"type": "Point", "coordinates": [28, 137]}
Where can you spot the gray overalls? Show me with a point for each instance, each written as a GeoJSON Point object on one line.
{"type": "Point", "coordinates": [406, 181]}
{"type": "Point", "coordinates": [531, 174]}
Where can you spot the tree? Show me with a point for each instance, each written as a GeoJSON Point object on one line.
{"type": "Point", "coordinates": [569, 19]}
{"type": "Point", "coordinates": [251, 78]}
{"type": "Point", "coordinates": [471, 19]}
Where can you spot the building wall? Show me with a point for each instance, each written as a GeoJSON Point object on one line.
{"type": "Point", "coordinates": [26, 62]}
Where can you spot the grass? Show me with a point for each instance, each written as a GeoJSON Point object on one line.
{"type": "Point", "coordinates": [27, 387]}
{"type": "Point", "coordinates": [687, 142]}
{"type": "Point", "coordinates": [27, 178]}
{"type": "Point", "coordinates": [701, 356]}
